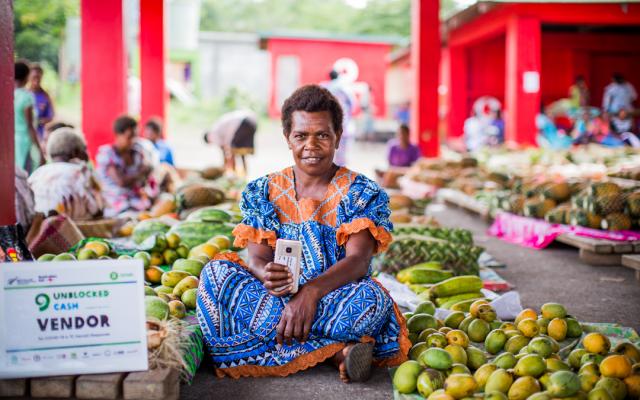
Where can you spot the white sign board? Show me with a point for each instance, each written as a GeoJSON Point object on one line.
{"type": "Point", "coordinates": [531, 82]}
{"type": "Point", "coordinates": [72, 317]}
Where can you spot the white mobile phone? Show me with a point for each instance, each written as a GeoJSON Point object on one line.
{"type": "Point", "coordinates": [289, 253]}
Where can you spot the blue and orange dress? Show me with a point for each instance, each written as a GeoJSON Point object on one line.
{"type": "Point", "coordinates": [239, 317]}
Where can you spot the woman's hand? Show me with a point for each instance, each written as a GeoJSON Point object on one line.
{"type": "Point", "coordinates": [297, 316]}
{"type": "Point", "coordinates": [276, 276]}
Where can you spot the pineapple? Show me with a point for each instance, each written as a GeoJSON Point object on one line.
{"type": "Point", "coordinates": [607, 204]}
{"type": "Point", "coordinates": [604, 188]}
{"type": "Point", "coordinates": [398, 202]}
{"type": "Point", "coordinates": [584, 218]}
{"type": "Point", "coordinates": [537, 208]}
{"type": "Point", "coordinates": [557, 191]}
{"type": "Point", "coordinates": [409, 250]}
{"type": "Point", "coordinates": [616, 222]}
{"type": "Point", "coordinates": [633, 204]}
{"type": "Point", "coordinates": [516, 203]}
{"type": "Point", "coordinates": [559, 215]}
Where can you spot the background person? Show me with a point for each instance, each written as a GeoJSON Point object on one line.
{"type": "Point", "coordinates": [400, 151]}
{"type": "Point", "coordinates": [579, 93]}
{"type": "Point", "coordinates": [618, 94]}
{"type": "Point", "coordinates": [153, 132]}
{"type": "Point", "coordinates": [28, 152]}
{"type": "Point", "coordinates": [43, 102]}
{"type": "Point", "coordinates": [340, 92]}
{"type": "Point", "coordinates": [341, 219]}
{"type": "Point", "coordinates": [124, 170]}
{"type": "Point", "coordinates": [76, 192]}
{"type": "Point", "coordinates": [234, 133]}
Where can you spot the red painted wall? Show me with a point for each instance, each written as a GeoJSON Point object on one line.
{"type": "Point", "coordinates": [7, 169]}
{"type": "Point", "coordinates": [486, 70]}
{"type": "Point", "coordinates": [154, 96]}
{"type": "Point", "coordinates": [316, 58]}
{"type": "Point", "coordinates": [104, 74]}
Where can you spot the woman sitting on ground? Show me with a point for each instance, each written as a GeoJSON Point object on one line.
{"type": "Point", "coordinates": [252, 324]}
{"type": "Point", "coordinates": [124, 170]}
{"type": "Point", "coordinates": [76, 192]}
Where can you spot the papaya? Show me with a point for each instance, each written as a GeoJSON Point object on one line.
{"type": "Point", "coordinates": [189, 298]}
{"type": "Point", "coordinates": [522, 388]}
{"type": "Point", "coordinates": [596, 343]}
{"type": "Point", "coordinates": [588, 382]}
{"type": "Point", "coordinates": [557, 329]}
{"type": "Point", "coordinates": [475, 358]}
{"type": "Point", "coordinates": [575, 356]}
{"type": "Point", "coordinates": [464, 325]}
{"type": "Point", "coordinates": [553, 310]}
{"type": "Point", "coordinates": [486, 313]}
{"type": "Point", "coordinates": [163, 289]}
{"type": "Point", "coordinates": [495, 341]}
{"type": "Point", "coordinates": [429, 381]}
{"type": "Point", "coordinates": [554, 365]}
{"type": "Point", "coordinates": [406, 376]}
{"type": "Point", "coordinates": [563, 384]}
{"type": "Point", "coordinates": [457, 352]}
{"type": "Point", "coordinates": [436, 339]}
{"type": "Point", "coordinates": [420, 322]}
{"type": "Point", "coordinates": [148, 291]}
{"type": "Point", "coordinates": [616, 366]}
{"type": "Point", "coordinates": [599, 394]}
{"type": "Point", "coordinates": [458, 368]}
{"type": "Point", "coordinates": [177, 309]}
{"type": "Point", "coordinates": [454, 319]}
{"type": "Point", "coordinates": [456, 285]}
{"type": "Point", "coordinates": [436, 358]}
{"type": "Point", "coordinates": [633, 385]}
{"type": "Point", "coordinates": [463, 305]}
{"type": "Point", "coordinates": [495, 395]}
{"type": "Point", "coordinates": [516, 343]}
{"type": "Point", "coordinates": [483, 373]}
{"type": "Point", "coordinates": [460, 386]}
{"type": "Point", "coordinates": [478, 330]}
{"type": "Point", "coordinates": [505, 360]}
{"type": "Point", "coordinates": [541, 346]}
{"type": "Point", "coordinates": [425, 307]}
{"type": "Point", "coordinates": [458, 337]}
{"type": "Point", "coordinates": [614, 386]}
{"type": "Point", "coordinates": [500, 380]}
{"type": "Point", "coordinates": [417, 349]}
{"type": "Point", "coordinates": [574, 329]}
{"type": "Point", "coordinates": [440, 301]}
{"type": "Point", "coordinates": [171, 278]}
{"type": "Point", "coordinates": [530, 365]}
{"type": "Point", "coordinates": [189, 282]}
{"type": "Point", "coordinates": [156, 308]}
{"type": "Point", "coordinates": [193, 267]}
{"type": "Point", "coordinates": [628, 349]}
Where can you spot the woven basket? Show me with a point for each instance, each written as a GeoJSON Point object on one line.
{"type": "Point", "coordinates": [102, 228]}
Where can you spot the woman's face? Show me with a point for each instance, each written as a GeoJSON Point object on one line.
{"type": "Point", "coordinates": [313, 141]}
{"type": "Point", "coordinates": [124, 141]}
{"type": "Point", "coordinates": [35, 78]}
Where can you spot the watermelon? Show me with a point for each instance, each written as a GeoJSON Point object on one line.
{"type": "Point", "coordinates": [209, 214]}
{"type": "Point", "coordinates": [148, 227]}
{"type": "Point", "coordinates": [193, 233]}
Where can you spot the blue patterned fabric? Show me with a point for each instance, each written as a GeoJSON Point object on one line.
{"type": "Point", "coordinates": [239, 317]}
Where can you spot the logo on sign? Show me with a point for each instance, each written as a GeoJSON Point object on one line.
{"type": "Point", "coordinates": [43, 301]}
{"type": "Point", "coordinates": [113, 276]}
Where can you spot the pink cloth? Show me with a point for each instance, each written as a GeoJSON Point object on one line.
{"type": "Point", "coordinates": [538, 234]}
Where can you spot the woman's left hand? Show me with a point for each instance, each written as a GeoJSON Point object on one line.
{"type": "Point", "coordinates": [297, 317]}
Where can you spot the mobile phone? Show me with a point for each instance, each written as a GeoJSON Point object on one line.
{"type": "Point", "coordinates": [289, 253]}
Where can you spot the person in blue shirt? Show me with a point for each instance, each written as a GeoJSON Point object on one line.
{"type": "Point", "coordinates": [153, 132]}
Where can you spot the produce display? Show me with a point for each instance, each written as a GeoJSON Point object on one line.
{"type": "Point", "coordinates": [539, 356]}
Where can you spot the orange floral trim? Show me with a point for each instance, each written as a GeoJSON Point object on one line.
{"type": "Point", "coordinates": [403, 339]}
{"type": "Point", "coordinates": [380, 234]}
{"type": "Point", "coordinates": [244, 234]}
{"type": "Point", "coordinates": [230, 256]}
{"type": "Point", "coordinates": [299, 364]}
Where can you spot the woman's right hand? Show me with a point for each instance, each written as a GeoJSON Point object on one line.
{"type": "Point", "coordinates": [277, 276]}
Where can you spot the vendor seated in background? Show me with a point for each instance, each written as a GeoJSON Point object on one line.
{"type": "Point", "coordinates": [66, 185]}
{"type": "Point", "coordinates": [401, 153]}
{"type": "Point", "coordinates": [153, 132]}
{"type": "Point", "coordinates": [125, 171]}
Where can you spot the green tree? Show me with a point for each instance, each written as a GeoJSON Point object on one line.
{"type": "Point", "coordinates": [39, 28]}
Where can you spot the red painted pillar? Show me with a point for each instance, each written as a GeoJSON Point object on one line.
{"type": "Point", "coordinates": [152, 59]}
{"type": "Point", "coordinates": [7, 162]}
{"type": "Point", "coordinates": [522, 86]}
{"type": "Point", "coordinates": [425, 59]}
{"type": "Point", "coordinates": [458, 90]}
{"type": "Point", "coordinates": [274, 109]}
{"type": "Point", "coordinates": [104, 69]}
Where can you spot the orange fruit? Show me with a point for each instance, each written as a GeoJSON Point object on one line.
{"type": "Point", "coordinates": [633, 386]}
{"type": "Point", "coordinates": [157, 258]}
{"type": "Point", "coordinates": [524, 314]}
{"type": "Point", "coordinates": [458, 337]}
{"type": "Point", "coordinates": [616, 366]}
{"type": "Point", "coordinates": [528, 327]}
{"type": "Point", "coordinates": [597, 343]}
{"type": "Point", "coordinates": [153, 274]}
{"type": "Point", "coordinates": [557, 329]}
{"type": "Point", "coordinates": [473, 309]}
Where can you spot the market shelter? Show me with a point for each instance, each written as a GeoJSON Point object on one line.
{"type": "Point", "coordinates": [528, 53]}
{"type": "Point", "coordinates": [302, 58]}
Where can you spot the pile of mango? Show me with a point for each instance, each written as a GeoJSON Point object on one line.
{"type": "Point", "coordinates": [177, 288]}
{"type": "Point", "coordinates": [475, 355]}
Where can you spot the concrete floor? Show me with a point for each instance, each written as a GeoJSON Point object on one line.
{"type": "Point", "coordinates": [593, 294]}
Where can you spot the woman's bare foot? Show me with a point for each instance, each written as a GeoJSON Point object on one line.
{"type": "Point", "coordinates": [354, 362]}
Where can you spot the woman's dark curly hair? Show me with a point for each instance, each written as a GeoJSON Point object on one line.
{"type": "Point", "coordinates": [312, 98]}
